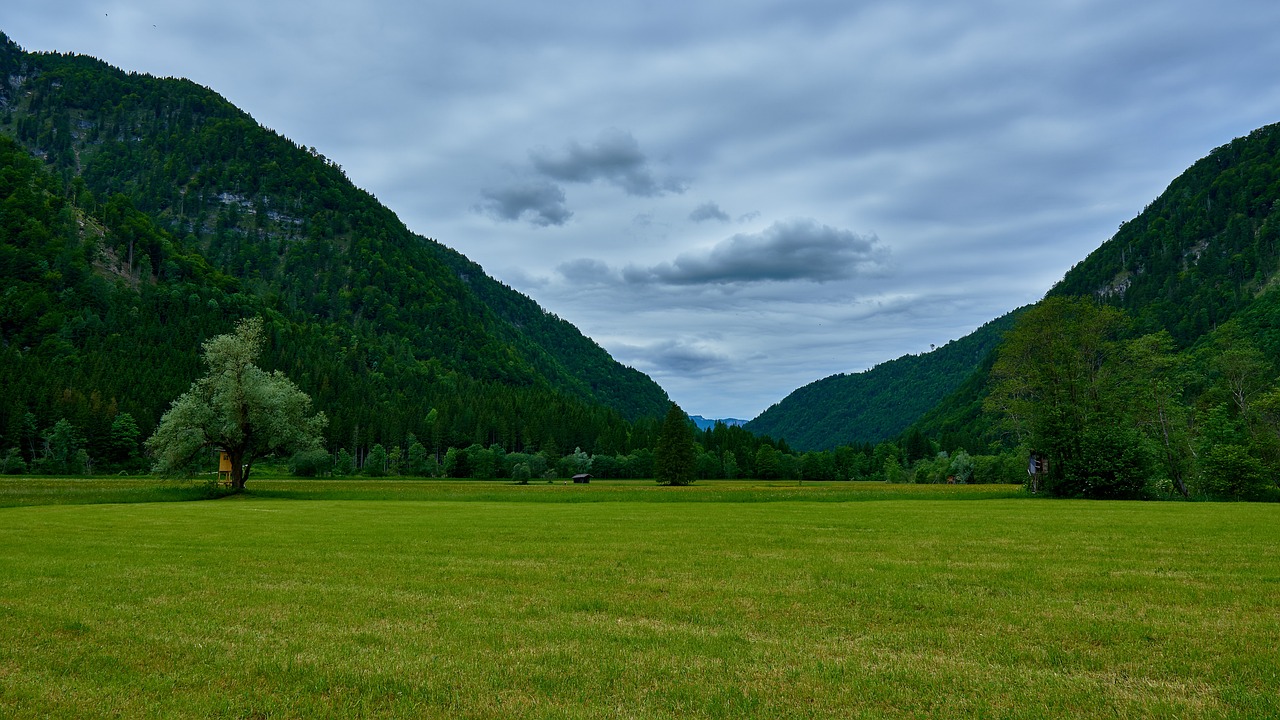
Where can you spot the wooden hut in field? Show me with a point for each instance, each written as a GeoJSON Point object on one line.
{"type": "Point", "coordinates": [582, 478]}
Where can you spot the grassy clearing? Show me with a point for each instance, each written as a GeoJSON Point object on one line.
{"type": "Point", "coordinates": [562, 491]}
{"type": "Point", "coordinates": [85, 491]}
{"type": "Point", "coordinates": [258, 606]}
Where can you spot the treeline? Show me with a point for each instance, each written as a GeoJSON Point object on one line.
{"type": "Point", "coordinates": [720, 453]}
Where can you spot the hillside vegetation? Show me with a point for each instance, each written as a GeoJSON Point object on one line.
{"type": "Point", "coordinates": [1202, 253]}
{"type": "Point", "coordinates": [142, 216]}
{"type": "Point", "coordinates": [1150, 369]}
{"type": "Point", "coordinates": [882, 402]}
{"type": "Point", "coordinates": [1173, 326]}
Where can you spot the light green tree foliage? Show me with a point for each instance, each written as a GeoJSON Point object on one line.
{"type": "Point", "coordinates": [521, 473]}
{"type": "Point", "coordinates": [1227, 468]}
{"type": "Point", "coordinates": [375, 463]}
{"type": "Point", "coordinates": [64, 450]}
{"type": "Point", "coordinates": [395, 461]}
{"type": "Point", "coordinates": [730, 465]}
{"type": "Point", "coordinates": [345, 464]}
{"type": "Point", "coordinates": [674, 455]}
{"type": "Point", "coordinates": [236, 407]}
{"type": "Point", "coordinates": [1154, 380]}
{"type": "Point", "coordinates": [893, 472]}
{"type": "Point", "coordinates": [483, 462]}
{"type": "Point", "coordinates": [455, 463]}
{"type": "Point", "coordinates": [933, 471]}
{"type": "Point", "coordinates": [420, 462]}
{"type": "Point", "coordinates": [962, 467]}
{"type": "Point", "coordinates": [580, 462]}
{"type": "Point", "coordinates": [12, 462]}
{"type": "Point", "coordinates": [767, 467]}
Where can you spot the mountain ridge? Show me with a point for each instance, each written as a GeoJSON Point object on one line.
{"type": "Point", "coordinates": [881, 402]}
{"type": "Point", "coordinates": [1205, 250]}
{"type": "Point", "coordinates": [193, 196]}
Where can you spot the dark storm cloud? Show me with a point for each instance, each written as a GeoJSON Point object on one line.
{"type": "Point", "coordinates": [539, 201]}
{"type": "Point", "coordinates": [683, 357]}
{"type": "Point", "coordinates": [793, 250]}
{"type": "Point", "coordinates": [615, 158]}
{"type": "Point", "coordinates": [708, 211]}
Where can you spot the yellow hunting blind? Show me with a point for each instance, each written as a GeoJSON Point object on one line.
{"type": "Point", "coordinates": [224, 466]}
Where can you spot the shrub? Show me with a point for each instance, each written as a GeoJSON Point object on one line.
{"type": "Point", "coordinates": [315, 462]}
{"type": "Point", "coordinates": [12, 463]}
{"type": "Point", "coordinates": [521, 473]}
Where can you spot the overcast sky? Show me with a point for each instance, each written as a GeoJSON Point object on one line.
{"type": "Point", "coordinates": [737, 198]}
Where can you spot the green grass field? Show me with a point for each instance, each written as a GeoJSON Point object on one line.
{"type": "Point", "coordinates": [483, 600]}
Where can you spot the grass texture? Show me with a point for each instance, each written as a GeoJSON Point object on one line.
{"type": "Point", "coordinates": [470, 600]}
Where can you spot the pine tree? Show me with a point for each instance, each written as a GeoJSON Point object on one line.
{"type": "Point", "coordinates": [674, 455]}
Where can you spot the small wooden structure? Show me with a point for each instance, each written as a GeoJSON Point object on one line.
{"type": "Point", "coordinates": [582, 478]}
{"type": "Point", "coordinates": [1037, 468]}
{"type": "Point", "coordinates": [224, 468]}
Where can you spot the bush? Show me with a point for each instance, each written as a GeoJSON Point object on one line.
{"type": "Point", "coordinates": [311, 463]}
{"type": "Point", "coordinates": [521, 474]}
{"type": "Point", "coordinates": [12, 463]}
{"type": "Point", "coordinates": [962, 467]}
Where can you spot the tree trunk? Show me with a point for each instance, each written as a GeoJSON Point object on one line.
{"type": "Point", "coordinates": [238, 475]}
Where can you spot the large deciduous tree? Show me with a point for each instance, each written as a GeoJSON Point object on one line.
{"type": "Point", "coordinates": [1059, 390]}
{"type": "Point", "coordinates": [238, 408]}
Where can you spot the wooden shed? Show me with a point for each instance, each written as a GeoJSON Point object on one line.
{"type": "Point", "coordinates": [224, 467]}
{"type": "Point", "coordinates": [582, 478]}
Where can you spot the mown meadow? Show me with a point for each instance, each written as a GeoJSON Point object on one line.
{"type": "Point", "coordinates": [488, 600]}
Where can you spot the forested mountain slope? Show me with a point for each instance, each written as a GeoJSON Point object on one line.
{"type": "Point", "coordinates": [1207, 250]}
{"type": "Point", "coordinates": [879, 403]}
{"type": "Point", "coordinates": [1203, 252]}
{"type": "Point", "coordinates": [156, 214]}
